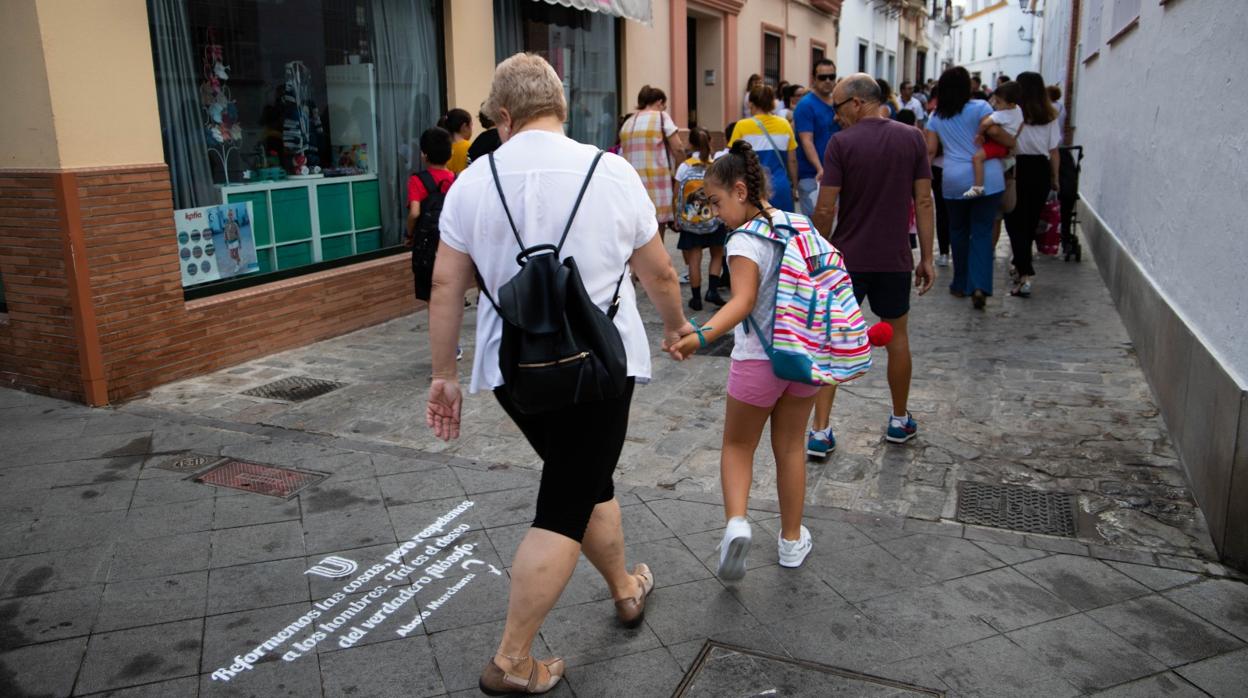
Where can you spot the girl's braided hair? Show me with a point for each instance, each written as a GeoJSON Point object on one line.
{"type": "Point", "coordinates": [741, 165]}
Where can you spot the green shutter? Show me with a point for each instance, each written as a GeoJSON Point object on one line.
{"type": "Point", "coordinates": [367, 242]}
{"type": "Point", "coordinates": [297, 255]}
{"type": "Point", "coordinates": [335, 204]}
{"type": "Point", "coordinates": [336, 247]}
{"type": "Point", "coordinates": [367, 204]}
{"type": "Point", "coordinates": [292, 218]}
{"type": "Point", "coordinates": [265, 258]}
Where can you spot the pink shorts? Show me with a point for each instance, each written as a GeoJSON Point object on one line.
{"type": "Point", "coordinates": [752, 381]}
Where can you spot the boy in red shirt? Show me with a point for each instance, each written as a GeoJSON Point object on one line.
{"type": "Point", "coordinates": [426, 191]}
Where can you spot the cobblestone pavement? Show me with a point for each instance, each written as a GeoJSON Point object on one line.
{"type": "Point", "coordinates": [120, 578]}
{"type": "Point", "coordinates": [1044, 392]}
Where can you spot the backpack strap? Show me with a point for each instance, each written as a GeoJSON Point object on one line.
{"type": "Point", "coordinates": [510, 221]}
{"type": "Point", "coordinates": [430, 184]}
{"type": "Point", "coordinates": [767, 135]}
{"type": "Point", "coordinates": [576, 206]}
{"type": "Point", "coordinates": [615, 298]}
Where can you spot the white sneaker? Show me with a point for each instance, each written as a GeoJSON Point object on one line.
{"type": "Point", "coordinates": [793, 552]}
{"type": "Point", "coordinates": [733, 547]}
{"type": "Point", "coordinates": [973, 193]}
{"type": "Point", "coordinates": [684, 278]}
{"type": "Point", "coordinates": [942, 260]}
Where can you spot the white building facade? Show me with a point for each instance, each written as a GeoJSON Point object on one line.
{"type": "Point", "coordinates": [868, 39]}
{"type": "Point", "coordinates": [993, 38]}
{"type": "Point", "coordinates": [939, 39]}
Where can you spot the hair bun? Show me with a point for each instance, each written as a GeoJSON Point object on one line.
{"type": "Point", "coordinates": [741, 147]}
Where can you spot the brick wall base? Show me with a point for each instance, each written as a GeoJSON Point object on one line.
{"type": "Point", "coordinates": [135, 330]}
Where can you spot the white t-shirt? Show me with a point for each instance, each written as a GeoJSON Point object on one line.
{"type": "Point", "coordinates": [1010, 120]}
{"type": "Point", "coordinates": [766, 254]}
{"type": "Point", "coordinates": [915, 106]}
{"type": "Point", "coordinates": [541, 173]}
{"type": "Point", "coordinates": [1039, 139]}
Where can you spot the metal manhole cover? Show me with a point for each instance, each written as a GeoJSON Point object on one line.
{"type": "Point", "coordinates": [259, 478]}
{"type": "Point", "coordinates": [188, 462]}
{"type": "Point", "coordinates": [294, 389]}
{"type": "Point", "coordinates": [1016, 508]}
{"type": "Point", "coordinates": [723, 670]}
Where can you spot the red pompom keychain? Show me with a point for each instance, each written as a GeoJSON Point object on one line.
{"type": "Point", "coordinates": [879, 334]}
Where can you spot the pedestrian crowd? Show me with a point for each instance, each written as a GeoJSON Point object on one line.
{"type": "Point", "coordinates": [815, 205]}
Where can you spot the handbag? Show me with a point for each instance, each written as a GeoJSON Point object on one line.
{"type": "Point", "coordinates": [1049, 230]}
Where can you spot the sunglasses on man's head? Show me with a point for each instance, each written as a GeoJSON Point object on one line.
{"type": "Point", "coordinates": [831, 76]}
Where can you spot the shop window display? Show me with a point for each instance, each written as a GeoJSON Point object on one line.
{"type": "Point", "coordinates": [582, 46]}
{"type": "Point", "coordinates": [304, 117]}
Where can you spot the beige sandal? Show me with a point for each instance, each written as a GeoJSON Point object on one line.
{"type": "Point", "coordinates": [632, 611]}
{"type": "Point", "coordinates": [543, 676]}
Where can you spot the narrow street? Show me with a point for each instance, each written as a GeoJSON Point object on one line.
{"type": "Point", "coordinates": [1044, 392]}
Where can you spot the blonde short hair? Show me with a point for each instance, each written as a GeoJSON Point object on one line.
{"type": "Point", "coordinates": [528, 88]}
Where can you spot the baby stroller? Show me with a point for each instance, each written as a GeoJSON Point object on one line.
{"type": "Point", "coordinates": [1068, 178]}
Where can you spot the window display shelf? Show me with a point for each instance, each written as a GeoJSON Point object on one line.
{"type": "Point", "coordinates": [305, 221]}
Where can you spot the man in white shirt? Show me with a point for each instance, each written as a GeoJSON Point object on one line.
{"type": "Point", "coordinates": [909, 101]}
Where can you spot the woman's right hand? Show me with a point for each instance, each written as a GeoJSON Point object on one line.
{"type": "Point", "coordinates": [442, 413]}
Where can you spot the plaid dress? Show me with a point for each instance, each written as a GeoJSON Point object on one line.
{"type": "Point", "coordinates": [643, 143]}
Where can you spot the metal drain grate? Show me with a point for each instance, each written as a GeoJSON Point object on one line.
{"type": "Point", "coordinates": [259, 478]}
{"type": "Point", "coordinates": [1016, 508]}
{"type": "Point", "coordinates": [188, 463]}
{"type": "Point", "coordinates": [294, 389]}
{"type": "Point", "coordinates": [726, 670]}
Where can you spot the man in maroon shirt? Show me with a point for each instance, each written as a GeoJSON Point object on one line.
{"type": "Point", "coordinates": [876, 167]}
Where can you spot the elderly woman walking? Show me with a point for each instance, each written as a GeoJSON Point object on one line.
{"type": "Point", "coordinates": [649, 141]}
{"type": "Point", "coordinates": [528, 191]}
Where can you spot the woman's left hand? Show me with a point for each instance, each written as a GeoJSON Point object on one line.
{"type": "Point", "coordinates": [443, 409]}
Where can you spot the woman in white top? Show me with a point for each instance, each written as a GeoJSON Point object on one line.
{"type": "Point", "coordinates": [1037, 162]}
{"type": "Point", "coordinates": [540, 171]}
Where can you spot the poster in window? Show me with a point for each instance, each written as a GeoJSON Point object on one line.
{"type": "Point", "coordinates": [215, 242]}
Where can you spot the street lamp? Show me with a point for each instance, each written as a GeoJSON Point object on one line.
{"type": "Point", "coordinates": [1029, 8]}
{"type": "Point", "coordinates": [1022, 36]}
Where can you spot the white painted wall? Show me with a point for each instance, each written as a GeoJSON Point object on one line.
{"type": "Point", "coordinates": [939, 42]}
{"type": "Point", "coordinates": [1160, 112]}
{"type": "Point", "coordinates": [1054, 34]}
{"type": "Point", "coordinates": [862, 21]}
{"type": "Point", "coordinates": [1010, 54]}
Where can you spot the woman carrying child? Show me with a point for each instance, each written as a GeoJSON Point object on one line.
{"type": "Point", "coordinates": [736, 187]}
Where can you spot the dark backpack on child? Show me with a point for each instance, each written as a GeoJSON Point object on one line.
{"type": "Point", "coordinates": [426, 236]}
{"type": "Point", "coordinates": [559, 348]}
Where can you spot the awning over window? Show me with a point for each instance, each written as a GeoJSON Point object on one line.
{"type": "Point", "coordinates": [638, 10]}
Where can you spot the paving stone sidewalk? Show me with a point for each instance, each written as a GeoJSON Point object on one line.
{"type": "Point", "coordinates": [121, 578]}
{"type": "Point", "coordinates": [1044, 392]}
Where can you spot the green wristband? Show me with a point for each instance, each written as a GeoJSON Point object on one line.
{"type": "Point", "coordinates": [700, 331]}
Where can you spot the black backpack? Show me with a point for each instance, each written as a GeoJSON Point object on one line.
{"type": "Point", "coordinates": [426, 236]}
{"type": "Point", "coordinates": [559, 348]}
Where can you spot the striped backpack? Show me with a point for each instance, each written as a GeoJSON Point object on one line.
{"type": "Point", "coordinates": [818, 335]}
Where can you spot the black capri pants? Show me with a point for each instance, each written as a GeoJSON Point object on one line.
{"type": "Point", "coordinates": [580, 447]}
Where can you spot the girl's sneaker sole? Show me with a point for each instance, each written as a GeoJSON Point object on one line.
{"type": "Point", "coordinates": [733, 566]}
{"type": "Point", "coordinates": [900, 439]}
